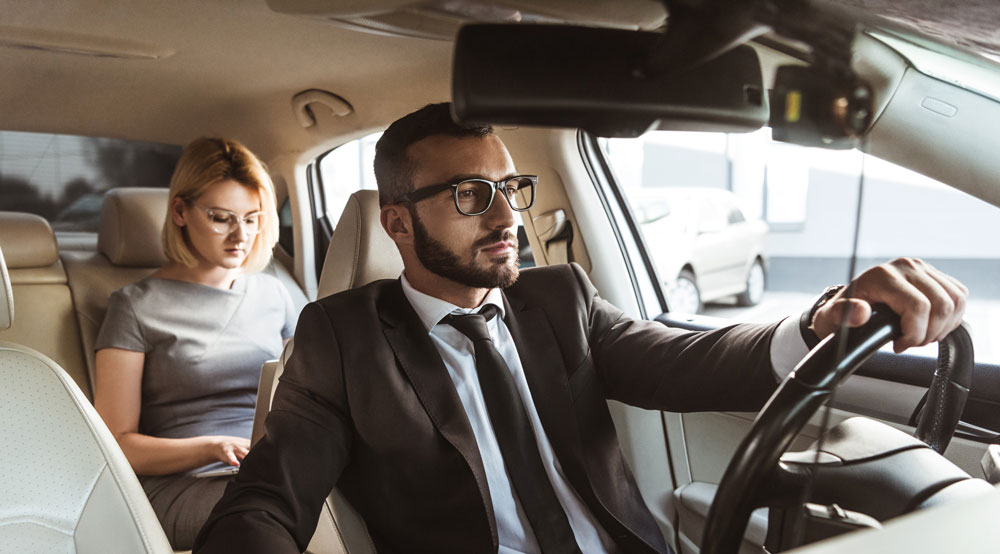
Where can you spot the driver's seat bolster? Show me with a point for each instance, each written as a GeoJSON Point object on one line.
{"type": "Point", "coordinates": [360, 252]}
{"type": "Point", "coordinates": [340, 529]}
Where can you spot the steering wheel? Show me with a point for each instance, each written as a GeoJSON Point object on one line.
{"type": "Point", "coordinates": [801, 395]}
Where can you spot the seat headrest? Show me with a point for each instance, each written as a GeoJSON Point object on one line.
{"type": "Point", "coordinates": [131, 225]}
{"type": "Point", "coordinates": [360, 251]}
{"type": "Point", "coordinates": [6, 297]}
{"type": "Point", "coordinates": [27, 240]}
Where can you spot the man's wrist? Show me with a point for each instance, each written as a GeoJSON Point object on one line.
{"type": "Point", "coordinates": [806, 320]}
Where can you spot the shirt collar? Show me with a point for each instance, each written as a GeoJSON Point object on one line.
{"type": "Point", "coordinates": [432, 310]}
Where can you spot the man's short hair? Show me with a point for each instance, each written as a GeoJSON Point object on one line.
{"type": "Point", "coordinates": [393, 168]}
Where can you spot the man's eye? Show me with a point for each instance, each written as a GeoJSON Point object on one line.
{"type": "Point", "coordinates": [510, 190]}
{"type": "Point", "coordinates": [467, 193]}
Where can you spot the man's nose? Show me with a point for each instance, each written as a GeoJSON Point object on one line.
{"type": "Point", "coordinates": [500, 213]}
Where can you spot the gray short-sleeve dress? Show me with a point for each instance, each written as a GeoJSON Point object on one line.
{"type": "Point", "coordinates": [204, 348]}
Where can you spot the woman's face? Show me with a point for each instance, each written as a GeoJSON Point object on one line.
{"type": "Point", "coordinates": [221, 224]}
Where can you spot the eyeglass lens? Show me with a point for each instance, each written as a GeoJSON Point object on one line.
{"type": "Point", "coordinates": [474, 197]}
{"type": "Point", "coordinates": [225, 223]}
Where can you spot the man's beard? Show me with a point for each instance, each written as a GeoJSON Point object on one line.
{"type": "Point", "coordinates": [437, 258]}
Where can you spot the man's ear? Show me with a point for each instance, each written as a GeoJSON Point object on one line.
{"type": "Point", "coordinates": [397, 223]}
{"type": "Point", "coordinates": [177, 211]}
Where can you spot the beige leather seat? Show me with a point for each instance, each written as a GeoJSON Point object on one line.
{"type": "Point", "coordinates": [47, 321]}
{"type": "Point", "coordinates": [129, 249]}
{"type": "Point", "coordinates": [66, 485]}
{"type": "Point", "coordinates": [360, 252]}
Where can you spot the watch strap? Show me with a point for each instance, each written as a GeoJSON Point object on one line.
{"type": "Point", "coordinates": [805, 321]}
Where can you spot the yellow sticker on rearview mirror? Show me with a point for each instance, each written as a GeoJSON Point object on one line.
{"type": "Point", "coordinates": [793, 106]}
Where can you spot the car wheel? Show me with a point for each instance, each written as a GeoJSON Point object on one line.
{"type": "Point", "coordinates": [755, 286]}
{"type": "Point", "coordinates": [685, 297]}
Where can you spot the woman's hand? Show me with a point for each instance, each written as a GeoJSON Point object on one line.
{"type": "Point", "coordinates": [230, 450]}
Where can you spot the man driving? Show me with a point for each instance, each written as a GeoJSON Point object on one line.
{"type": "Point", "coordinates": [462, 408]}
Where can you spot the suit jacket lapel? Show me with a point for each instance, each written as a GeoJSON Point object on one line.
{"type": "Point", "coordinates": [423, 366]}
{"type": "Point", "coordinates": [545, 371]}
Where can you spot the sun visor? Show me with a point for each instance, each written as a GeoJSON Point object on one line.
{"type": "Point", "coordinates": [591, 78]}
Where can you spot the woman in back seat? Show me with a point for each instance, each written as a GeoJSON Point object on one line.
{"type": "Point", "coordinates": [179, 353]}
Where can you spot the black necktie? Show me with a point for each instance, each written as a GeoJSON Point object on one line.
{"type": "Point", "coordinates": [515, 437]}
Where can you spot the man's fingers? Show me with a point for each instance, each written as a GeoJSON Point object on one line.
{"type": "Point", "coordinates": [930, 304]}
{"type": "Point", "coordinates": [942, 306]}
{"type": "Point", "coordinates": [959, 295]}
{"type": "Point", "coordinates": [925, 299]}
{"type": "Point", "coordinates": [888, 284]}
{"type": "Point", "coordinates": [857, 312]}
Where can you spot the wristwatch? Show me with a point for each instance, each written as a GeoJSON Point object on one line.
{"type": "Point", "coordinates": [805, 322]}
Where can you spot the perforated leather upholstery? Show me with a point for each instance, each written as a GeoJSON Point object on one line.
{"type": "Point", "coordinates": [360, 252]}
{"type": "Point", "coordinates": [46, 320]}
{"type": "Point", "coordinates": [66, 485]}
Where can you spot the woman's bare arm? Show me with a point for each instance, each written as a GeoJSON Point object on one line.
{"type": "Point", "coordinates": [118, 398]}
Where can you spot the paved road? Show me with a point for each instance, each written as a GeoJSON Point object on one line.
{"type": "Point", "coordinates": [982, 315]}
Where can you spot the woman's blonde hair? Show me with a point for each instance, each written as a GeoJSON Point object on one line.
{"type": "Point", "coordinates": [205, 162]}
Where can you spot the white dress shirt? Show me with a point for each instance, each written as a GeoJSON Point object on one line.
{"type": "Point", "coordinates": [513, 529]}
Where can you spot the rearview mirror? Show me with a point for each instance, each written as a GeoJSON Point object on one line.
{"type": "Point", "coordinates": [563, 76]}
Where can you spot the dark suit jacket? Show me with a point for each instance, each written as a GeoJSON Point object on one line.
{"type": "Point", "coordinates": [365, 403]}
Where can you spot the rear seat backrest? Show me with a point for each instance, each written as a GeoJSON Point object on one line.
{"type": "Point", "coordinates": [45, 318]}
{"type": "Point", "coordinates": [129, 249]}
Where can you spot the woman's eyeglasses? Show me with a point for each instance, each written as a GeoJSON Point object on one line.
{"type": "Point", "coordinates": [224, 222]}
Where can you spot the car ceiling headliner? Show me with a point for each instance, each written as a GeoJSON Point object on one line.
{"type": "Point", "coordinates": [972, 24]}
{"type": "Point", "coordinates": [234, 65]}
{"type": "Point", "coordinates": [234, 69]}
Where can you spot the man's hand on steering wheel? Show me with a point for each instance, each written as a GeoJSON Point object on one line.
{"type": "Point", "coordinates": [930, 304]}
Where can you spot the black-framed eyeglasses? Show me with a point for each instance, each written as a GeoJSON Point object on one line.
{"type": "Point", "coordinates": [475, 196]}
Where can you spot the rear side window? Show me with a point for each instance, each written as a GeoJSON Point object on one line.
{"type": "Point", "coordinates": [345, 170]}
{"type": "Point", "coordinates": [63, 178]}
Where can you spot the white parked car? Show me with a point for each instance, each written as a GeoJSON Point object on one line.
{"type": "Point", "coordinates": [703, 245]}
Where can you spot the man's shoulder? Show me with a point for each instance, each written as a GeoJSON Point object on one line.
{"type": "Point", "coordinates": [569, 274]}
{"type": "Point", "coordinates": [358, 299]}
{"type": "Point", "coordinates": [559, 282]}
